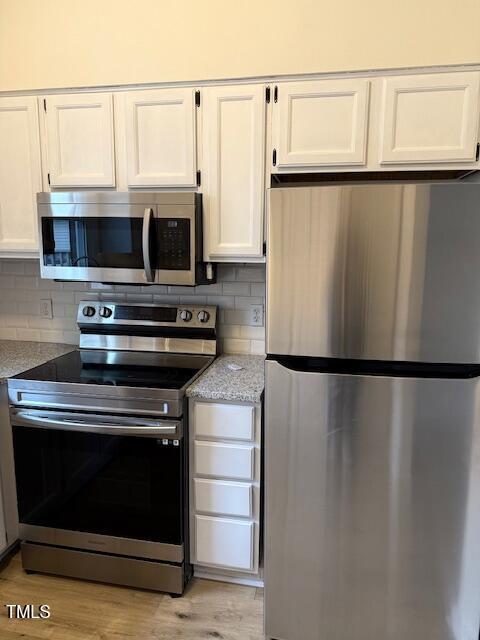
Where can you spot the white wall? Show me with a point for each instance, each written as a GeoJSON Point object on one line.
{"type": "Point", "coordinates": [70, 43]}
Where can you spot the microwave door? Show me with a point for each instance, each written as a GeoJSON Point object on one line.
{"type": "Point", "coordinates": [97, 243]}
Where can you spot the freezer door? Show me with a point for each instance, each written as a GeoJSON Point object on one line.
{"type": "Point", "coordinates": [381, 272]}
{"type": "Point", "coordinates": [372, 507]}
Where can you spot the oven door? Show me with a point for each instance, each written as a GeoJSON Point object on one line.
{"type": "Point", "coordinates": [98, 242]}
{"type": "Point", "coordinates": [111, 484]}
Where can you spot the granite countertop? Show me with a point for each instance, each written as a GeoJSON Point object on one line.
{"type": "Point", "coordinates": [17, 356]}
{"type": "Point", "coordinates": [219, 382]}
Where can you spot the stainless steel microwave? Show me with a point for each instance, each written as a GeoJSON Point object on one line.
{"type": "Point", "coordinates": [123, 237]}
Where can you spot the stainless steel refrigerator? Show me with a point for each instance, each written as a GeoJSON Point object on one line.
{"type": "Point", "coordinates": [372, 437]}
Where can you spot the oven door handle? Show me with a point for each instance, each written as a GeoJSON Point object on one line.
{"type": "Point", "coordinates": [28, 419]}
{"type": "Point", "coordinates": [147, 263]}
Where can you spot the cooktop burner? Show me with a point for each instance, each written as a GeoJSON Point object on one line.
{"type": "Point", "coordinates": [150, 370]}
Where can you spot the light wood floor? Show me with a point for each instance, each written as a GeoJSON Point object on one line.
{"type": "Point", "coordinates": [88, 611]}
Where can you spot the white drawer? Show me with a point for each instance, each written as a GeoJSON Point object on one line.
{"type": "Point", "coordinates": [227, 498]}
{"type": "Point", "coordinates": [225, 543]}
{"type": "Point", "coordinates": [224, 421]}
{"type": "Point", "coordinates": [224, 460]}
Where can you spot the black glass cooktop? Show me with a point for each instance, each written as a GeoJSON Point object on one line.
{"type": "Point", "coordinates": [119, 368]}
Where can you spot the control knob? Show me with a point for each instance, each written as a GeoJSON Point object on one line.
{"type": "Point", "coordinates": [185, 315]}
{"type": "Point", "coordinates": [88, 311]}
{"type": "Point", "coordinates": [203, 316]}
{"type": "Point", "coordinates": [105, 312]}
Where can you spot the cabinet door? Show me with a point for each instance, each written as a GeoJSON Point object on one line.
{"type": "Point", "coordinates": [224, 542]}
{"type": "Point", "coordinates": [79, 129]}
{"type": "Point", "coordinates": [20, 174]}
{"type": "Point", "coordinates": [233, 170]}
{"type": "Point", "coordinates": [160, 138]}
{"type": "Point", "coordinates": [321, 123]}
{"type": "Point", "coordinates": [430, 118]}
{"type": "Point", "coordinates": [229, 421]}
{"type": "Point", "coordinates": [224, 460]}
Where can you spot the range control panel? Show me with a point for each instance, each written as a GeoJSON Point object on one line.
{"type": "Point", "coordinates": [138, 314]}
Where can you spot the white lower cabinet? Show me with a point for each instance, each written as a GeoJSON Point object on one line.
{"type": "Point", "coordinates": [224, 542]}
{"type": "Point", "coordinates": [225, 460]}
{"type": "Point", "coordinates": [225, 489]}
{"type": "Point", "coordinates": [220, 496]}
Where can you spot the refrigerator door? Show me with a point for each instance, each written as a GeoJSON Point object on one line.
{"type": "Point", "coordinates": [381, 272]}
{"type": "Point", "coordinates": [372, 507]}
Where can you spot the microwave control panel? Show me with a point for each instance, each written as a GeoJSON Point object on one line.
{"type": "Point", "coordinates": [173, 251]}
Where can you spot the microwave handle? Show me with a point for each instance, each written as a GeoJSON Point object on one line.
{"type": "Point", "coordinates": [147, 264]}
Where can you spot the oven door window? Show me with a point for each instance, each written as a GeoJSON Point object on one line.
{"type": "Point", "coordinates": [105, 242]}
{"type": "Point", "coordinates": [124, 486]}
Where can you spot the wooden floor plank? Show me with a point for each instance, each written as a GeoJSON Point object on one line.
{"type": "Point", "coordinates": [89, 611]}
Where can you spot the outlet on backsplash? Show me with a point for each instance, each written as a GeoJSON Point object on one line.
{"type": "Point", "coordinates": [46, 309]}
{"type": "Point", "coordinates": [256, 315]}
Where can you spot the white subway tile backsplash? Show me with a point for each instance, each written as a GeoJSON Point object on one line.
{"type": "Point", "coordinates": [28, 334]}
{"type": "Point", "coordinates": [32, 268]}
{"type": "Point", "coordinates": [254, 333]}
{"type": "Point", "coordinates": [257, 346]}
{"type": "Point", "coordinates": [257, 289]}
{"type": "Point", "coordinates": [251, 274]}
{"type": "Point", "coordinates": [234, 345]}
{"type": "Point", "coordinates": [222, 302]}
{"type": "Point", "coordinates": [237, 288]}
{"type": "Point", "coordinates": [16, 267]}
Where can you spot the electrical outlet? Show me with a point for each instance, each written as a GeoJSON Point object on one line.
{"type": "Point", "coordinates": [46, 310]}
{"type": "Point", "coordinates": [256, 315]}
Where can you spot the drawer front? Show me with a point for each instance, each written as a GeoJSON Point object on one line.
{"type": "Point", "coordinates": [224, 543]}
{"type": "Point", "coordinates": [224, 460]}
{"type": "Point", "coordinates": [224, 421]}
{"type": "Point", "coordinates": [227, 498]}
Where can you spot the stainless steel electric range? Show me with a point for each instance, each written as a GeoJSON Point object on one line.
{"type": "Point", "coordinates": [100, 443]}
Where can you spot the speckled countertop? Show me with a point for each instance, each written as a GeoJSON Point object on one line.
{"type": "Point", "coordinates": [219, 382]}
{"type": "Point", "coordinates": [17, 356]}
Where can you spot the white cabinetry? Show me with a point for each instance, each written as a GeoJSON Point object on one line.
{"type": "Point", "coordinates": [225, 488]}
{"type": "Point", "coordinates": [233, 157]}
{"type": "Point", "coordinates": [430, 118]}
{"type": "Point", "coordinates": [321, 122]}
{"type": "Point", "coordinates": [20, 175]}
{"type": "Point", "coordinates": [160, 138]}
{"type": "Point", "coordinates": [79, 135]}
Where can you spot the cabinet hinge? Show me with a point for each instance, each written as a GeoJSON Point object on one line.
{"type": "Point", "coordinates": [48, 178]}
{"type": "Point", "coordinates": [274, 157]}
{"type": "Point", "coordinates": [44, 104]}
{"type": "Point", "coordinates": [197, 98]}
{"type": "Point", "coordinates": [199, 178]}
{"type": "Point", "coordinates": [478, 151]}
{"type": "Point", "coordinates": [267, 95]}
{"type": "Point", "coordinates": [275, 94]}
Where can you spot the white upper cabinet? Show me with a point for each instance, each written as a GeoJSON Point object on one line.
{"type": "Point", "coordinates": [20, 174]}
{"type": "Point", "coordinates": [320, 123]}
{"type": "Point", "coordinates": [430, 118]}
{"type": "Point", "coordinates": [79, 133]}
{"type": "Point", "coordinates": [233, 152]}
{"type": "Point", "coordinates": [160, 138]}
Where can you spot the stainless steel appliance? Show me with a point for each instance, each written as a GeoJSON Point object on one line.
{"type": "Point", "coordinates": [100, 446]}
{"type": "Point", "coordinates": [112, 236]}
{"type": "Point", "coordinates": [373, 413]}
